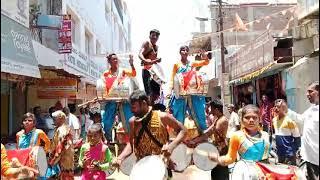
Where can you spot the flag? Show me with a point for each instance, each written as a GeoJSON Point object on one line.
{"type": "Point", "coordinates": [239, 24]}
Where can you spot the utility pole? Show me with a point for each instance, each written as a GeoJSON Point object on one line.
{"type": "Point", "coordinates": [221, 36]}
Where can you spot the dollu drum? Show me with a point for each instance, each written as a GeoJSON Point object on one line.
{"type": "Point", "coordinates": [127, 164]}
{"type": "Point", "coordinates": [149, 167]}
{"type": "Point", "coordinates": [181, 156]}
{"type": "Point", "coordinates": [200, 156]}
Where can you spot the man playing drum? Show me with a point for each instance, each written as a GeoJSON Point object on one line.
{"type": "Point", "coordinates": [148, 134]}
{"type": "Point", "coordinates": [148, 55]}
{"type": "Point", "coordinates": [218, 131]}
{"type": "Point", "coordinates": [178, 105]}
{"type": "Point", "coordinates": [29, 136]}
{"type": "Point", "coordinates": [113, 79]}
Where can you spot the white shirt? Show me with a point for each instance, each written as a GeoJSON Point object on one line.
{"type": "Point", "coordinates": [297, 118]}
{"type": "Point", "coordinates": [309, 122]}
{"type": "Point", "coordinates": [74, 124]}
{"type": "Point", "coordinates": [310, 137]}
{"type": "Point", "coordinates": [233, 123]}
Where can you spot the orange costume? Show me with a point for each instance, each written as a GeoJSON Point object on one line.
{"type": "Point", "coordinates": [113, 80]}
{"type": "Point", "coordinates": [6, 169]}
{"type": "Point", "coordinates": [181, 68]}
{"type": "Point", "coordinates": [36, 137]}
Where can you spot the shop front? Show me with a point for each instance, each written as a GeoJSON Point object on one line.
{"type": "Point", "coordinates": [19, 69]}
{"type": "Point", "coordinates": [256, 70]}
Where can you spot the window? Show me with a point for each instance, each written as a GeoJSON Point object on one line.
{"type": "Point", "coordinates": [73, 31]}
{"type": "Point", "coordinates": [87, 43]}
{"type": "Point", "coordinates": [98, 48]}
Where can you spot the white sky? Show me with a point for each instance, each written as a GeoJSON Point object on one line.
{"type": "Point", "coordinates": [175, 19]}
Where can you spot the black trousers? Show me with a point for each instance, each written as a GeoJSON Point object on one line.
{"type": "Point", "coordinates": [220, 172]}
{"type": "Point", "coordinates": [150, 86]}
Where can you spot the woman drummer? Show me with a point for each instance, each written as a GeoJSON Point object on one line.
{"type": "Point", "coordinates": [29, 136]}
{"type": "Point", "coordinates": [250, 142]}
{"type": "Point", "coordinates": [11, 170]}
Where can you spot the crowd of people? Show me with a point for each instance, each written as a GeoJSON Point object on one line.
{"type": "Point", "coordinates": [248, 133]}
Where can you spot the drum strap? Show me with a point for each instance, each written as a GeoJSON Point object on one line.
{"type": "Point", "coordinates": [144, 128]}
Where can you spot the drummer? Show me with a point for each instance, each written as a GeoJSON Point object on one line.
{"type": "Point", "coordinates": [251, 143]}
{"type": "Point", "coordinates": [218, 131]}
{"type": "Point", "coordinates": [8, 171]}
{"type": "Point", "coordinates": [148, 56]}
{"type": "Point", "coordinates": [115, 71]}
{"type": "Point", "coordinates": [109, 77]}
{"type": "Point", "coordinates": [30, 136]}
{"type": "Point", "coordinates": [149, 135]}
{"type": "Point", "coordinates": [176, 103]}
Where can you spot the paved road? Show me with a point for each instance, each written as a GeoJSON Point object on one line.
{"type": "Point", "coordinates": [191, 173]}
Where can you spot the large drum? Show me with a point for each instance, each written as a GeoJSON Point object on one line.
{"type": "Point", "coordinates": [200, 156]}
{"type": "Point", "coordinates": [33, 157]}
{"type": "Point", "coordinates": [117, 87]}
{"type": "Point", "coordinates": [249, 170]}
{"type": "Point", "coordinates": [246, 170]}
{"type": "Point", "coordinates": [149, 167]}
{"type": "Point", "coordinates": [191, 83]}
{"type": "Point", "coordinates": [40, 160]}
{"type": "Point", "coordinates": [181, 157]}
{"type": "Point", "coordinates": [127, 164]}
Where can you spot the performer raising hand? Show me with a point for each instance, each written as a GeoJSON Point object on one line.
{"type": "Point", "coordinates": [148, 55]}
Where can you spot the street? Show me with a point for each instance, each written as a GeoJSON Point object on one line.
{"type": "Point", "coordinates": [191, 173]}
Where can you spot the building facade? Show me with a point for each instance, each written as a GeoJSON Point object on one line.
{"type": "Point", "coordinates": [98, 27]}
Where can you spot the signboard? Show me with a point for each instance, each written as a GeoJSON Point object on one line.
{"type": "Point", "coordinates": [17, 53]}
{"type": "Point", "coordinates": [57, 88]}
{"type": "Point", "coordinates": [84, 65]}
{"type": "Point", "coordinates": [64, 35]}
{"type": "Point", "coordinates": [252, 57]}
{"type": "Point", "coordinates": [49, 22]}
{"type": "Point", "coordinates": [17, 10]}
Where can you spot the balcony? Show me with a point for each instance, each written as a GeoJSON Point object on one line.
{"type": "Point", "coordinates": [308, 9]}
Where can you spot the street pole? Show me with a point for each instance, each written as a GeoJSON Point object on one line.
{"type": "Point", "coordinates": [221, 37]}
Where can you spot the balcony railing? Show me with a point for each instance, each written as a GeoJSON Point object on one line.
{"type": "Point", "coordinates": [307, 8]}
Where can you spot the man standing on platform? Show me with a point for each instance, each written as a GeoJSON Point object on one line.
{"type": "Point", "coordinates": [148, 55]}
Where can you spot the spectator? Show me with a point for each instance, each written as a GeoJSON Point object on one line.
{"type": "Point", "coordinates": [49, 122]}
{"type": "Point", "coordinates": [310, 136]}
{"type": "Point", "coordinates": [242, 104]}
{"type": "Point", "coordinates": [234, 122]}
{"type": "Point", "coordinates": [82, 118]}
{"type": "Point", "coordinates": [41, 123]}
{"type": "Point", "coordinates": [265, 110]}
{"type": "Point", "coordinates": [73, 123]}
{"type": "Point", "coordinates": [286, 134]}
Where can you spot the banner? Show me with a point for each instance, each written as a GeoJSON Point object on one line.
{"type": "Point", "coordinates": [65, 35]}
{"type": "Point", "coordinates": [253, 56]}
{"type": "Point", "coordinates": [17, 53]}
{"type": "Point", "coordinates": [17, 10]}
{"type": "Point", "coordinates": [57, 88]}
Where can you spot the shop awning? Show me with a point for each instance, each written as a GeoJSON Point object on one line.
{"type": "Point", "coordinates": [17, 53]}
{"type": "Point", "coordinates": [258, 73]}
